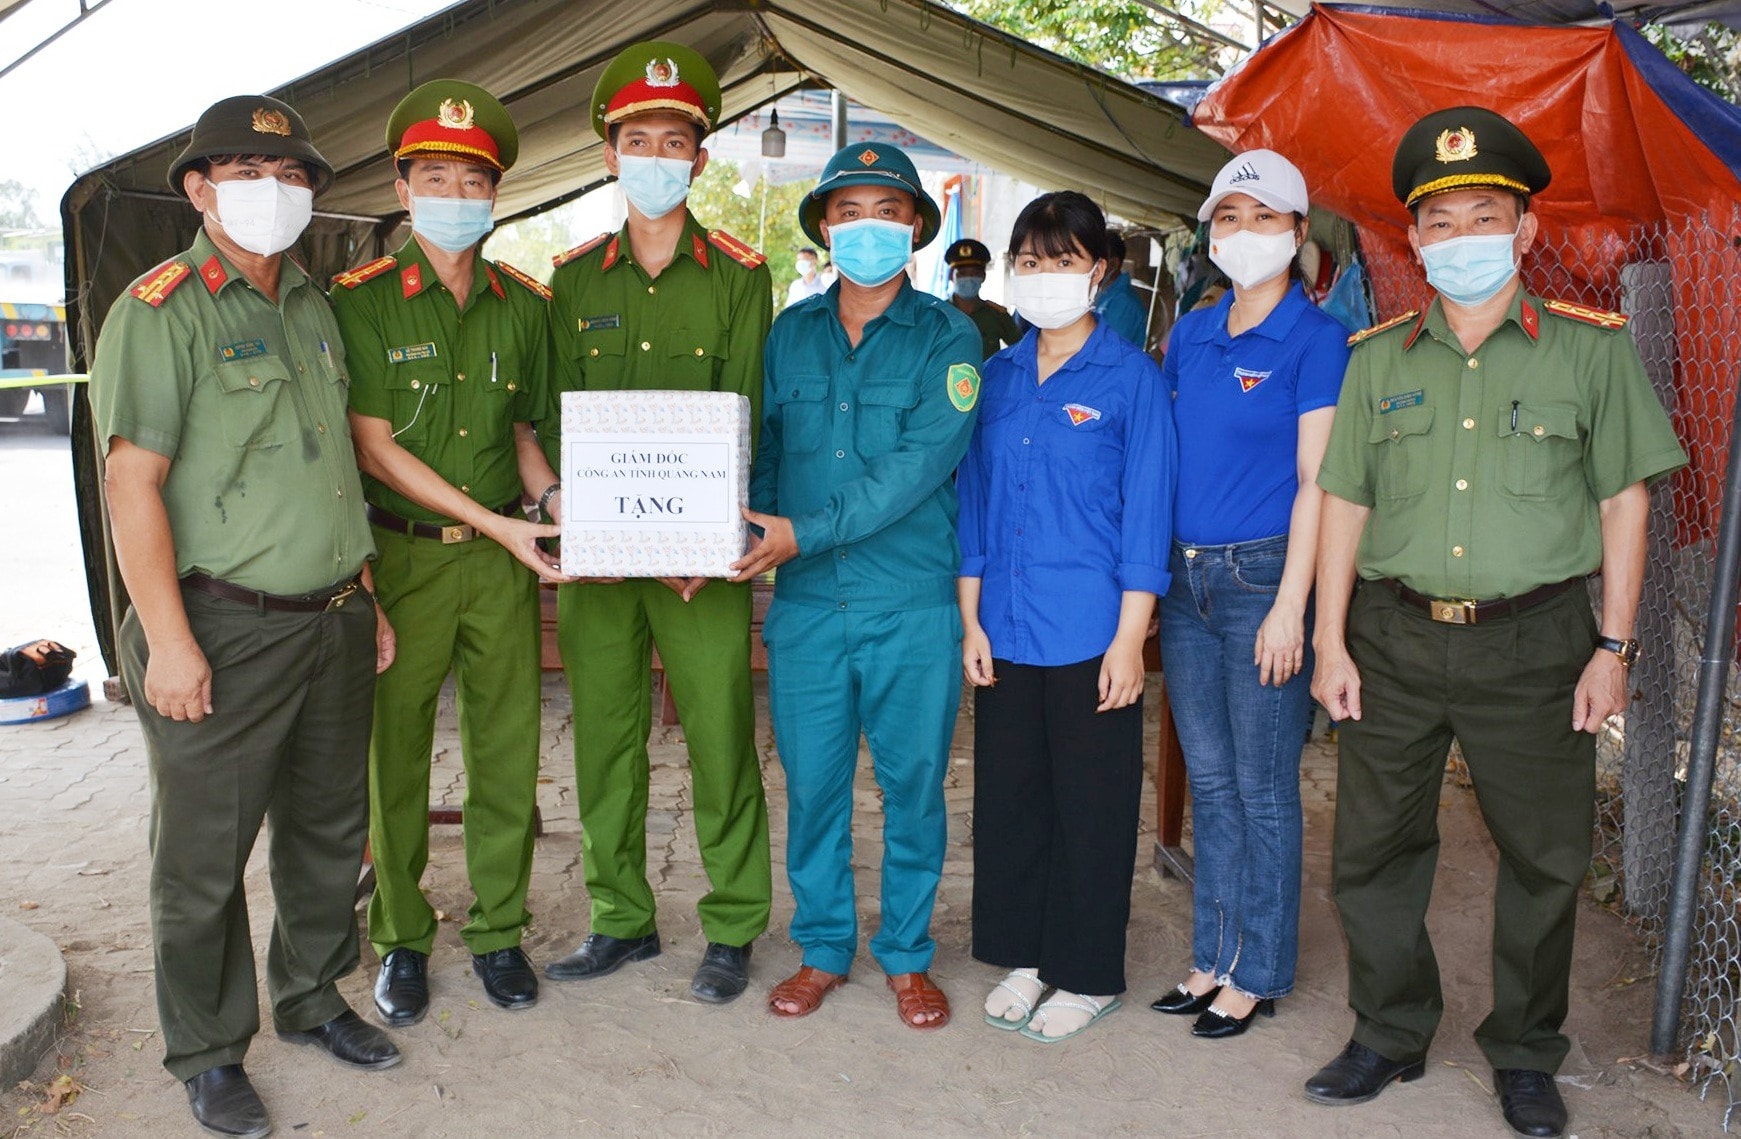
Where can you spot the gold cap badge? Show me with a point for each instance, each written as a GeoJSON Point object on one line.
{"type": "Point", "coordinates": [455, 115]}
{"type": "Point", "coordinates": [1455, 146]}
{"type": "Point", "coordinates": [662, 73]}
{"type": "Point", "coordinates": [269, 120]}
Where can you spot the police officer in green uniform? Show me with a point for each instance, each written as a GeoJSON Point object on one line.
{"type": "Point", "coordinates": [1488, 455]}
{"type": "Point", "coordinates": [872, 392]}
{"type": "Point", "coordinates": [449, 361]}
{"type": "Point", "coordinates": [967, 260]}
{"type": "Point", "coordinates": [250, 647]}
{"type": "Point", "coordinates": [664, 304]}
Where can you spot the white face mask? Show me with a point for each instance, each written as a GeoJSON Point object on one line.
{"type": "Point", "coordinates": [1250, 258]}
{"type": "Point", "coordinates": [1052, 300]}
{"type": "Point", "coordinates": [262, 215]}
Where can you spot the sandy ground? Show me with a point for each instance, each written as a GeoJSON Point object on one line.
{"type": "Point", "coordinates": [633, 1055]}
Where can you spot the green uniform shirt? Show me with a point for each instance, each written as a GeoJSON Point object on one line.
{"type": "Point", "coordinates": [247, 400]}
{"type": "Point", "coordinates": [1484, 470]}
{"type": "Point", "coordinates": [698, 326]}
{"type": "Point", "coordinates": [453, 383]}
{"type": "Point", "coordinates": [996, 326]}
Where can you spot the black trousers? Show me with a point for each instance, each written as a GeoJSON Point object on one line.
{"type": "Point", "coordinates": [1056, 795]}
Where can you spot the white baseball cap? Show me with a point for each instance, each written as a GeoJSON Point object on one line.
{"type": "Point", "coordinates": [1263, 174]}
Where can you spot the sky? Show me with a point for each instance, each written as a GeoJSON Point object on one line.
{"type": "Point", "coordinates": [137, 70]}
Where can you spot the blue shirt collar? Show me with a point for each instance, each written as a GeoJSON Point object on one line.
{"type": "Point", "coordinates": [1276, 326]}
{"type": "Point", "coordinates": [1103, 346]}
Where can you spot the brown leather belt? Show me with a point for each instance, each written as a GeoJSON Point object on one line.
{"type": "Point", "coordinates": [447, 535]}
{"type": "Point", "coordinates": [322, 602]}
{"type": "Point", "coordinates": [1451, 611]}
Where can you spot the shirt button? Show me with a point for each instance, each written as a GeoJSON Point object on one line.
{"type": "Point", "coordinates": [460, 377]}
{"type": "Point", "coordinates": [1456, 551]}
{"type": "Point", "coordinates": [592, 352]}
{"type": "Point", "coordinates": [1018, 531]}
{"type": "Point", "coordinates": [651, 289]}
{"type": "Point", "coordinates": [301, 367]}
{"type": "Point", "coordinates": [1021, 486]}
{"type": "Point", "coordinates": [1474, 363]}
{"type": "Point", "coordinates": [1024, 440]}
{"type": "Point", "coordinates": [843, 407]}
{"type": "Point", "coordinates": [840, 454]}
{"type": "Point", "coordinates": [320, 427]}
{"type": "Point", "coordinates": [511, 386]}
{"type": "Point", "coordinates": [466, 487]}
{"type": "Point", "coordinates": [341, 494]}
{"type": "Point", "coordinates": [646, 347]}
{"type": "Point", "coordinates": [415, 384]}
{"type": "Point", "coordinates": [843, 605]}
{"type": "Point", "coordinates": [463, 433]}
{"type": "Point", "coordinates": [1538, 431]}
{"type": "Point", "coordinates": [254, 382]}
{"type": "Point", "coordinates": [843, 555]}
{"type": "Point", "coordinates": [1468, 425]}
{"type": "Point", "coordinates": [701, 352]}
{"type": "Point", "coordinates": [1394, 433]}
{"type": "Point", "coordinates": [1462, 484]}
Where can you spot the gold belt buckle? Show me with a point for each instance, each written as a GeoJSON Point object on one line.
{"type": "Point", "coordinates": [1453, 612]}
{"type": "Point", "coordinates": [461, 533]}
{"type": "Point", "coordinates": [337, 600]}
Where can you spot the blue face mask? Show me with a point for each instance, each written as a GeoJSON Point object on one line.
{"type": "Point", "coordinates": [870, 251]}
{"type": "Point", "coordinates": [967, 288]}
{"type": "Point", "coordinates": [455, 224]}
{"type": "Point", "coordinates": [1469, 270]}
{"type": "Point", "coordinates": [654, 186]}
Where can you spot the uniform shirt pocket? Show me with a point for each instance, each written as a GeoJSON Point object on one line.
{"type": "Point", "coordinates": [598, 354]}
{"type": "Point", "coordinates": [1401, 456]}
{"type": "Point", "coordinates": [692, 357]}
{"type": "Point", "coordinates": [412, 386]}
{"type": "Point", "coordinates": [1540, 454]}
{"type": "Point", "coordinates": [882, 412]}
{"type": "Point", "coordinates": [800, 401]}
{"type": "Point", "coordinates": [253, 390]}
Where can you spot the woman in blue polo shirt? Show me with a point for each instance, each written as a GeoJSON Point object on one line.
{"type": "Point", "coordinates": [1254, 381]}
{"type": "Point", "coordinates": [1065, 496]}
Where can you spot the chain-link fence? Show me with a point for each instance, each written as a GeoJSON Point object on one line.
{"type": "Point", "coordinates": [1679, 282]}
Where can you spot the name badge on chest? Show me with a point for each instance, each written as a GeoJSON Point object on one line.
{"type": "Point", "coordinates": [424, 351]}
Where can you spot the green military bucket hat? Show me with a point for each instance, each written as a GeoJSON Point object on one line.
{"type": "Point", "coordinates": [869, 164]}
{"type": "Point", "coordinates": [251, 124]}
{"type": "Point", "coordinates": [450, 117]}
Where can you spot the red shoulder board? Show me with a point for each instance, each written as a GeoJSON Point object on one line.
{"type": "Point", "coordinates": [580, 250]}
{"type": "Point", "coordinates": [1368, 333]}
{"type": "Point", "coordinates": [1601, 318]}
{"type": "Point", "coordinates": [735, 249]}
{"type": "Point", "coordinates": [162, 281]}
{"type": "Point", "coordinates": [526, 279]}
{"type": "Point", "coordinates": [351, 278]}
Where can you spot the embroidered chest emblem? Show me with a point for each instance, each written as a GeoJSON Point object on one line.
{"type": "Point", "coordinates": [1249, 379]}
{"type": "Point", "coordinates": [1080, 413]}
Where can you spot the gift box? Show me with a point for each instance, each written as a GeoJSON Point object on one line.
{"type": "Point", "coordinates": [653, 483]}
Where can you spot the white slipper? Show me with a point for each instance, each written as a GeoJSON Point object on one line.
{"type": "Point", "coordinates": [1025, 989]}
{"type": "Point", "coordinates": [1089, 1005]}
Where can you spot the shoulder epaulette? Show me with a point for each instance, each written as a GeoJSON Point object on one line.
{"type": "Point", "coordinates": [1368, 333]}
{"type": "Point", "coordinates": [580, 250]}
{"type": "Point", "coordinates": [735, 249]}
{"type": "Point", "coordinates": [162, 281]}
{"type": "Point", "coordinates": [351, 278]}
{"type": "Point", "coordinates": [1601, 318]}
{"type": "Point", "coordinates": [526, 279]}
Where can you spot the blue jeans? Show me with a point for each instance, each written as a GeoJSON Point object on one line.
{"type": "Point", "coordinates": [1242, 744]}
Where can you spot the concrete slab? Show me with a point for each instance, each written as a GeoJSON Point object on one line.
{"type": "Point", "coordinates": [32, 992]}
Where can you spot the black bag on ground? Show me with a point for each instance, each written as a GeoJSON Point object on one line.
{"type": "Point", "coordinates": [34, 668]}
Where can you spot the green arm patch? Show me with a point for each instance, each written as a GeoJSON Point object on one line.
{"type": "Point", "coordinates": [963, 386]}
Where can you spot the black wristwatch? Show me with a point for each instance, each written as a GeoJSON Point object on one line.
{"type": "Point", "coordinates": [1626, 650]}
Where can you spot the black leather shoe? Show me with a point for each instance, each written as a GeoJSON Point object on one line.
{"type": "Point", "coordinates": [350, 1040]}
{"type": "Point", "coordinates": [723, 975]}
{"type": "Point", "coordinates": [1531, 1103]}
{"type": "Point", "coordinates": [1183, 1002]}
{"type": "Point", "coordinates": [600, 955]}
{"type": "Point", "coordinates": [1215, 1024]}
{"type": "Point", "coordinates": [402, 988]}
{"type": "Point", "coordinates": [508, 978]}
{"type": "Point", "coordinates": [1358, 1075]}
{"type": "Point", "coordinates": [224, 1102]}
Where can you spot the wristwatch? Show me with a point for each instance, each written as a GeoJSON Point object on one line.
{"type": "Point", "coordinates": [550, 492]}
{"type": "Point", "coordinates": [1626, 650]}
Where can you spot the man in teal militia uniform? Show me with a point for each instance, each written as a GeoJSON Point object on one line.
{"type": "Point", "coordinates": [249, 649]}
{"type": "Point", "coordinates": [662, 305]}
{"type": "Point", "coordinates": [449, 360]}
{"type": "Point", "coordinates": [872, 391]}
{"type": "Point", "coordinates": [1487, 456]}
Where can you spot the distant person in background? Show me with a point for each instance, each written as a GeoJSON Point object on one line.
{"type": "Point", "coordinates": [967, 260]}
{"type": "Point", "coordinates": [810, 280]}
{"type": "Point", "coordinates": [1118, 304]}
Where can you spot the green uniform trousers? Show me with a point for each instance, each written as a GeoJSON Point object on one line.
{"type": "Point", "coordinates": [470, 608]}
{"type": "Point", "coordinates": [287, 741]}
{"type": "Point", "coordinates": [1503, 689]}
{"type": "Point", "coordinates": [606, 634]}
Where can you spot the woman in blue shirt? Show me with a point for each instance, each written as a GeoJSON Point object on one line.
{"type": "Point", "coordinates": [1065, 495]}
{"type": "Point", "coordinates": [1254, 381]}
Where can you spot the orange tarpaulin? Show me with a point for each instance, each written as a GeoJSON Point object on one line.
{"type": "Point", "coordinates": [1644, 171]}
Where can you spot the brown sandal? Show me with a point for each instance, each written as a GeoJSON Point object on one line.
{"type": "Point", "coordinates": [805, 988]}
{"type": "Point", "coordinates": [916, 995]}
